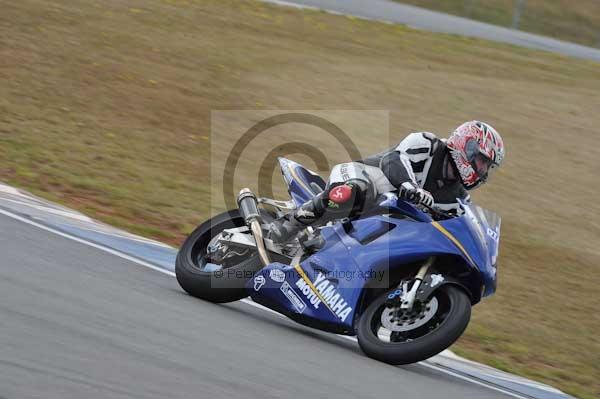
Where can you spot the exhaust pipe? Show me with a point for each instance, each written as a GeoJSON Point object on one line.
{"type": "Point", "coordinates": [248, 205]}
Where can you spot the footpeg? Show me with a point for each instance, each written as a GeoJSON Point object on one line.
{"type": "Point", "coordinates": [313, 244]}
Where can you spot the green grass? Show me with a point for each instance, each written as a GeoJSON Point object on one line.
{"type": "Point", "coordinates": [576, 21]}
{"type": "Point", "coordinates": [105, 107]}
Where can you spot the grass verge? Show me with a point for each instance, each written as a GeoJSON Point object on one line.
{"type": "Point", "coordinates": [575, 21]}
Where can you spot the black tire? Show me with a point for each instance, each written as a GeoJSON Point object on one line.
{"type": "Point", "coordinates": [225, 286]}
{"type": "Point", "coordinates": [455, 321]}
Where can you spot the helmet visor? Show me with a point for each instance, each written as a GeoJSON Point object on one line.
{"type": "Point", "coordinates": [482, 165]}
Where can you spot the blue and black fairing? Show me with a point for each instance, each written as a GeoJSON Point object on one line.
{"type": "Point", "coordinates": [303, 184]}
{"type": "Point", "coordinates": [325, 290]}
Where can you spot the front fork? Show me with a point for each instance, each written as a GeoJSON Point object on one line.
{"type": "Point", "coordinates": [407, 299]}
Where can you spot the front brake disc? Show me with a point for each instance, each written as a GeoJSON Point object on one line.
{"type": "Point", "coordinates": [400, 320]}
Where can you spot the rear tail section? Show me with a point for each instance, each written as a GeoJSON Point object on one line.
{"type": "Point", "coordinates": [303, 184]}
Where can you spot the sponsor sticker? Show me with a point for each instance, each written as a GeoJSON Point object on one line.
{"type": "Point", "coordinates": [277, 275]}
{"type": "Point", "coordinates": [326, 292]}
{"type": "Point", "coordinates": [293, 297]}
{"type": "Point", "coordinates": [259, 281]}
{"type": "Point", "coordinates": [493, 234]}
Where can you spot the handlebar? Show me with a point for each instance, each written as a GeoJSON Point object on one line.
{"type": "Point", "coordinates": [437, 213]}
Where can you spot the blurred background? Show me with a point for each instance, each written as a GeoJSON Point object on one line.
{"type": "Point", "coordinates": [105, 107]}
{"type": "Point", "coordinates": [571, 20]}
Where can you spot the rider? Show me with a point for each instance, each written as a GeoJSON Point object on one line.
{"type": "Point", "coordinates": [422, 169]}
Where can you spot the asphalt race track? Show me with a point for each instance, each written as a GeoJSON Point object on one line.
{"type": "Point", "coordinates": [388, 10]}
{"type": "Point", "coordinates": [77, 322]}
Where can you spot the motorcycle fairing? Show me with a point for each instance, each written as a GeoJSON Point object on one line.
{"type": "Point", "coordinates": [479, 229]}
{"type": "Point", "coordinates": [480, 223]}
{"type": "Point", "coordinates": [303, 184]}
{"type": "Point", "coordinates": [329, 283]}
{"type": "Point", "coordinates": [325, 289]}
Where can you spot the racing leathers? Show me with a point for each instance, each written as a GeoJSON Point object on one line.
{"type": "Point", "coordinates": [420, 169]}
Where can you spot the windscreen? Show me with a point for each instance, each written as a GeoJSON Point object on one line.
{"type": "Point", "coordinates": [486, 225]}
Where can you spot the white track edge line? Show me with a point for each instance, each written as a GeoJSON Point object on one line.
{"type": "Point", "coordinates": [113, 252]}
{"type": "Point", "coordinates": [88, 243]}
{"type": "Point", "coordinates": [473, 380]}
{"type": "Point", "coordinates": [53, 211]}
{"type": "Point", "coordinates": [86, 219]}
{"type": "Point", "coordinates": [246, 301]}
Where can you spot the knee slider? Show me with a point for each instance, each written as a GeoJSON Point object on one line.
{"type": "Point", "coordinates": [347, 196]}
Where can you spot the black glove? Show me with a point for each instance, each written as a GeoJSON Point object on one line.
{"type": "Point", "coordinates": [416, 195]}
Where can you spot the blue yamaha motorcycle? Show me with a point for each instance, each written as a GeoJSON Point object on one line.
{"type": "Point", "coordinates": [400, 278]}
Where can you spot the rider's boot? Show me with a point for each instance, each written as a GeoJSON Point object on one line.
{"type": "Point", "coordinates": [289, 225]}
{"type": "Point", "coordinates": [334, 201]}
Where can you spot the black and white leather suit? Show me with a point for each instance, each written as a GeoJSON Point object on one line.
{"type": "Point", "coordinates": [421, 159]}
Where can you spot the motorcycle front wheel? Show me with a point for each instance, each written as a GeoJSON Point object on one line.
{"type": "Point", "coordinates": [399, 337]}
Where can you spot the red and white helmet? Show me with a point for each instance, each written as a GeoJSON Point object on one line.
{"type": "Point", "coordinates": [477, 149]}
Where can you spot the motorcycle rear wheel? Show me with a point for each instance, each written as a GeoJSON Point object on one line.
{"type": "Point", "coordinates": [224, 285]}
{"type": "Point", "coordinates": [404, 347]}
